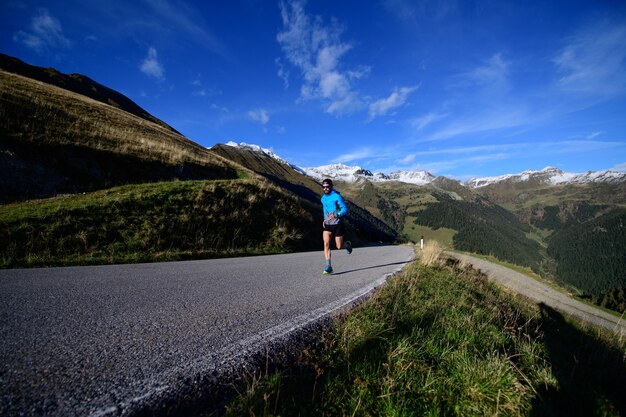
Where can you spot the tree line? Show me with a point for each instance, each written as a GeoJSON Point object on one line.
{"type": "Point", "coordinates": [592, 256]}
{"type": "Point", "coordinates": [483, 228]}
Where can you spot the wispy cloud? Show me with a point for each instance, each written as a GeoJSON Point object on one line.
{"type": "Point", "coordinates": [488, 80]}
{"type": "Point", "coordinates": [259, 115]}
{"type": "Point", "coordinates": [449, 158]}
{"type": "Point", "coordinates": [45, 31]}
{"type": "Point", "coordinates": [493, 71]}
{"type": "Point", "coordinates": [476, 123]}
{"type": "Point", "coordinates": [151, 65]}
{"type": "Point", "coordinates": [362, 153]}
{"type": "Point", "coordinates": [316, 49]}
{"type": "Point", "coordinates": [184, 18]}
{"type": "Point", "coordinates": [421, 122]}
{"type": "Point", "coordinates": [409, 159]}
{"type": "Point", "coordinates": [594, 60]}
{"type": "Point", "coordinates": [397, 99]}
{"type": "Point", "coordinates": [619, 167]}
{"type": "Point", "coordinates": [282, 72]}
{"type": "Point", "coordinates": [411, 11]}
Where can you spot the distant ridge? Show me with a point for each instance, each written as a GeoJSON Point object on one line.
{"type": "Point", "coordinates": [353, 173]}
{"type": "Point", "coordinates": [80, 84]}
{"type": "Point", "coordinates": [551, 176]}
{"type": "Point", "coordinates": [341, 172]}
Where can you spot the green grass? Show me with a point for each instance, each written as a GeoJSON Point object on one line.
{"type": "Point", "coordinates": [442, 235]}
{"type": "Point", "coordinates": [156, 222]}
{"type": "Point", "coordinates": [439, 341]}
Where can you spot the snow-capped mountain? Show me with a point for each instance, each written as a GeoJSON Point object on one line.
{"type": "Point", "coordinates": [341, 172]}
{"type": "Point", "coordinates": [551, 176]}
{"type": "Point", "coordinates": [264, 151]}
{"type": "Point", "coordinates": [347, 173]}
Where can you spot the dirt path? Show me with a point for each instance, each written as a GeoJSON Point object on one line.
{"type": "Point", "coordinates": [543, 293]}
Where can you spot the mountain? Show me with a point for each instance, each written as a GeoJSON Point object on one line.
{"type": "Point", "coordinates": [366, 227]}
{"type": "Point", "coordinates": [347, 173]}
{"type": "Point", "coordinates": [264, 151]}
{"type": "Point", "coordinates": [271, 166]}
{"type": "Point", "coordinates": [547, 176]}
{"type": "Point", "coordinates": [57, 141]}
{"type": "Point", "coordinates": [77, 83]}
{"type": "Point", "coordinates": [550, 176]}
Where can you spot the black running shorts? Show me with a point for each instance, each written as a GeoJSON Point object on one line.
{"type": "Point", "coordinates": [337, 229]}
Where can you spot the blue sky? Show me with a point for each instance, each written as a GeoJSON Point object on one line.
{"type": "Point", "coordinates": [457, 88]}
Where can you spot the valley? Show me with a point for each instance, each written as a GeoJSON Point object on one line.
{"type": "Point", "coordinates": [90, 177]}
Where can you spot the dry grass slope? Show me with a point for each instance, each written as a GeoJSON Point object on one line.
{"type": "Point", "coordinates": [35, 111]}
{"type": "Point", "coordinates": [56, 141]}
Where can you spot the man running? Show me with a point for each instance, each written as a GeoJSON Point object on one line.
{"type": "Point", "coordinates": [334, 211]}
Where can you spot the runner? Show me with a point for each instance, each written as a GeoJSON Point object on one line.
{"type": "Point", "coordinates": [334, 211]}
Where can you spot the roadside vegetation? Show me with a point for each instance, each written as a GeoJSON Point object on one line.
{"type": "Point", "coordinates": [157, 222]}
{"type": "Point", "coordinates": [439, 339]}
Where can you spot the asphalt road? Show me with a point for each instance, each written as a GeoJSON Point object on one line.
{"type": "Point", "coordinates": [543, 293]}
{"type": "Point", "coordinates": [101, 340]}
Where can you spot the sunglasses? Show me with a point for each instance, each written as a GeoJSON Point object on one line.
{"type": "Point", "coordinates": [326, 186]}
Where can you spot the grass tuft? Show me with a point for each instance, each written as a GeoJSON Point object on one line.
{"type": "Point", "coordinates": [432, 253]}
{"type": "Point", "coordinates": [440, 340]}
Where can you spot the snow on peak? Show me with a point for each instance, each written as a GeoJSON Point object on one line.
{"type": "Point", "coordinates": [341, 172]}
{"type": "Point", "coordinates": [257, 148]}
{"type": "Point", "coordinates": [551, 176]}
{"type": "Point", "coordinates": [348, 173]}
{"type": "Point", "coordinates": [264, 151]}
{"type": "Point", "coordinates": [412, 177]}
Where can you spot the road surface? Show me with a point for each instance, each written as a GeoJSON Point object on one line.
{"type": "Point", "coordinates": [542, 293]}
{"type": "Point", "coordinates": [109, 340]}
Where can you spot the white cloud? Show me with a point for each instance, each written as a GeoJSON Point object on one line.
{"type": "Point", "coordinates": [594, 61]}
{"type": "Point", "coordinates": [420, 123]}
{"type": "Point", "coordinates": [184, 18]}
{"type": "Point", "coordinates": [489, 80]}
{"type": "Point", "coordinates": [317, 50]}
{"type": "Point", "coordinates": [362, 153]}
{"type": "Point", "coordinates": [151, 65]}
{"type": "Point", "coordinates": [45, 31]}
{"type": "Point", "coordinates": [259, 115]}
{"type": "Point", "coordinates": [407, 159]}
{"type": "Point", "coordinates": [619, 167]}
{"type": "Point", "coordinates": [283, 74]}
{"type": "Point", "coordinates": [397, 99]}
{"type": "Point", "coordinates": [494, 71]}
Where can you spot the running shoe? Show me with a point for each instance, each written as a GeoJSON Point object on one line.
{"type": "Point", "coordinates": [328, 270]}
{"type": "Point", "coordinates": [348, 247]}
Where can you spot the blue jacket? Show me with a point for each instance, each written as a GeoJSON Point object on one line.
{"type": "Point", "coordinates": [333, 203]}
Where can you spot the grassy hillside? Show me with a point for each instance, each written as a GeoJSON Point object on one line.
{"type": "Point", "coordinates": [549, 229]}
{"type": "Point", "coordinates": [54, 141]}
{"type": "Point", "coordinates": [158, 221]}
{"type": "Point", "coordinates": [281, 174]}
{"type": "Point", "coordinates": [519, 196]}
{"type": "Point", "coordinates": [443, 341]}
{"type": "Point", "coordinates": [362, 225]}
{"type": "Point", "coordinates": [79, 84]}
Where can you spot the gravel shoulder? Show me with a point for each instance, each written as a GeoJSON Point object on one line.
{"type": "Point", "coordinates": [543, 293]}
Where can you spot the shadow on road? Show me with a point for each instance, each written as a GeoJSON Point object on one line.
{"type": "Point", "coordinates": [591, 375]}
{"type": "Point", "coordinates": [369, 267]}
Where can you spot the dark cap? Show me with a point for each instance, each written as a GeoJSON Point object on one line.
{"type": "Point", "coordinates": [327, 181]}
